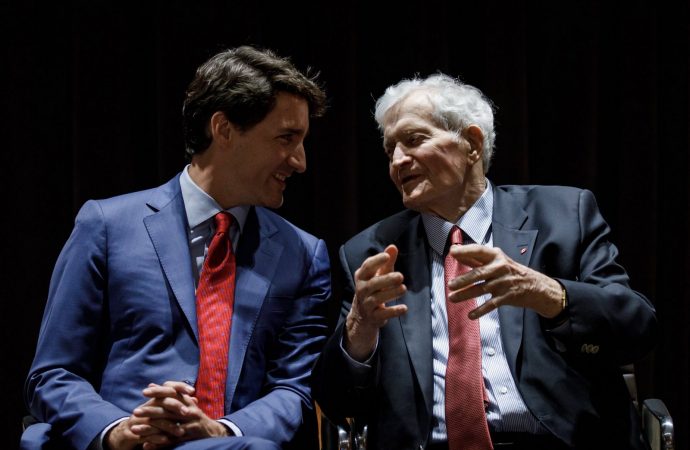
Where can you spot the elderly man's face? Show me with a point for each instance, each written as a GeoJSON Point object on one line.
{"type": "Point", "coordinates": [430, 166]}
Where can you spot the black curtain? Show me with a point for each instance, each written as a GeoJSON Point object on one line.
{"type": "Point", "coordinates": [588, 93]}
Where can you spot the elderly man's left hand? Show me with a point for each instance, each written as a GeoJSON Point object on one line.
{"type": "Point", "coordinates": [508, 282]}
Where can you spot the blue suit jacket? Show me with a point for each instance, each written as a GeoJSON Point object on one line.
{"type": "Point", "coordinates": [568, 376]}
{"type": "Point", "coordinates": [121, 313]}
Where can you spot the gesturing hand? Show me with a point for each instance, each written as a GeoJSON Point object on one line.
{"type": "Point", "coordinates": [375, 284]}
{"type": "Point", "coordinates": [508, 282]}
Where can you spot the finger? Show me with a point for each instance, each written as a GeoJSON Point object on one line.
{"type": "Point", "coordinates": [380, 298]}
{"type": "Point", "coordinates": [156, 441]}
{"type": "Point", "coordinates": [150, 446]}
{"type": "Point", "coordinates": [177, 405]}
{"type": "Point", "coordinates": [193, 412]}
{"type": "Point", "coordinates": [371, 265]}
{"type": "Point", "coordinates": [172, 427]}
{"type": "Point", "coordinates": [389, 265]}
{"type": "Point", "coordinates": [149, 410]}
{"type": "Point", "coordinates": [168, 389]}
{"type": "Point", "coordinates": [380, 283]}
{"type": "Point", "coordinates": [143, 429]}
{"type": "Point", "coordinates": [485, 308]}
{"type": "Point", "coordinates": [155, 427]}
{"type": "Point", "coordinates": [181, 387]}
{"type": "Point", "coordinates": [481, 274]}
{"type": "Point", "coordinates": [157, 391]}
{"type": "Point", "coordinates": [474, 291]}
{"type": "Point", "coordinates": [385, 314]}
{"type": "Point", "coordinates": [473, 255]}
{"type": "Point", "coordinates": [162, 409]}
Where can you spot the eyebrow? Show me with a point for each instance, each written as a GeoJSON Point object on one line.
{"type": "Point", "coordinates": [405, 130]}
{"type": "Point", "coordinates": [295, 131]}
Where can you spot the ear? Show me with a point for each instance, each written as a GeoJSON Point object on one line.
{"type": "Point", "coordinates": [220, 127]}
{"type": "Point", "coordinates": [475, 137]}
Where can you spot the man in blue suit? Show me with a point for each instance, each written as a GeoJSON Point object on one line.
{"type": "Point", "coordinates": [554, 314]}
{"type": "Point", "coordinates": [118, 355]}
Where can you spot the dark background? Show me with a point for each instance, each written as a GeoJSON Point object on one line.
{"type": "Point", "coordinates": [589, 93]}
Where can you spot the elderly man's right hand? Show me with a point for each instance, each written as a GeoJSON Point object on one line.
{"type": "Point", "coordinates": [375, 284]}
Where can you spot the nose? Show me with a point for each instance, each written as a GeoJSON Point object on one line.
{"type": "Point", "coordinates": [298, 159]}
{"type": "Point", "coordinates": [399, 157]}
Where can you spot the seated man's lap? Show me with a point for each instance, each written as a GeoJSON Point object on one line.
{"type": "Point", "coordinates": [38, 437]}
{"type": "Point", "coordinates": [230, 443]}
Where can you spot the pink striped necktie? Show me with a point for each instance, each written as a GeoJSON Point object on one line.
{"type": "Point", "coordinates": [214, 302]}
{"type": "Point", "coordinates": [465, 411]}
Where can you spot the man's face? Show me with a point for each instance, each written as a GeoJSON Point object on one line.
{"type": "Point", "coordinates": [263, 157]}
{"type": "Point", "coordinates": [429, 165]}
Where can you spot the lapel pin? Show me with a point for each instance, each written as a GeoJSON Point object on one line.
{"type": "Point", "coordinates": [523, 250]}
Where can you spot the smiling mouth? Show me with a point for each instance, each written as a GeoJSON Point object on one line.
{"type": "Point", "coordinates": [281, 178]}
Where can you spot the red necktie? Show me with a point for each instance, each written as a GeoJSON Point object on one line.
{"type": "Point", "coordinates": [465, 412]}
{"type": "Point", "coordinates": [214, 299]}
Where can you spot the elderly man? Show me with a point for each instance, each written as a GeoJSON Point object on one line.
{"type": "Point", "coordinates": [189, 315]}
{"type": "Point", "coordinates": [483, 316]}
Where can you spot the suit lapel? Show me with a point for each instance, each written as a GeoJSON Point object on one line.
{"type": "Point", "coordinates": [518, 244]}
{"type": "Point", "coordinates": [257, 258]}
{"type": "Point", "coordinates": [167, 229]}
{"type": "Point", "coordinates": [258, 254]}
{"type": "Point", "coordinates": [413, 262]}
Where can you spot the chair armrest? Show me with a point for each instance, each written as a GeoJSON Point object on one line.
{"type": "Point", "coordinates": [354, 438]}
{"type": "Point", "coordinates": [657, 425]}
{"type": "Point", "coordinates": [344, 439]}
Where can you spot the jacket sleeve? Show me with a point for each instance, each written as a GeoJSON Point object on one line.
{"type": "Point", "coordinates": [341, 388]}
{"type": "Point", "coordinates": [61, 388]}
{"type": "Point", "coordinates": [605, 318]}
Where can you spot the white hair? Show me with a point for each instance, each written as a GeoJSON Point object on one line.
{"type": "Point", "coordinates": [456, 106]}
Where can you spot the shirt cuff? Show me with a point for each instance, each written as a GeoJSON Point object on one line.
{"type": "Point", "coordinates": [359, 368]}
{"type": "Point", "coordinates": [232, 427]}
{"type": "Point", "coordinates": [97, 444]}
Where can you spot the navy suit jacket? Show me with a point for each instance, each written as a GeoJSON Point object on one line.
{"type": "Point", "coordinates": [568, 375]}
{"type": "Point", "coordinates": [121, 314]}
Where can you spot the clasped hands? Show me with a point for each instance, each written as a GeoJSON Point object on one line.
{"type": "Point", "coordinates": [493, 272]}
{"type": "Point", "coordinates": [170, 416]}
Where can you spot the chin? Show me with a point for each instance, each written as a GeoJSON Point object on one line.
{"type": "Point", "coordinates": [274, 203]}
{"type": "Point", "coordinates": [411, 204]}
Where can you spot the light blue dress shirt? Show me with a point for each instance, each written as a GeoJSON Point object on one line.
{"type": "Point", "coordinates": [506, 411]}
{"type": "Point", "coordinates": [201, 208]}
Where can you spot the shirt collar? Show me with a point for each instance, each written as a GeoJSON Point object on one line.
{"type": "Point", "coordinates": [475, 223]}
{"type": "Point", "coordinates": [201, 207]}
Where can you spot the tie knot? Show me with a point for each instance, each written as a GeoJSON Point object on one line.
{"type": "Point", "coordinates": [455, 235]}
{"type": "Point", "coordinates": [223, 221]}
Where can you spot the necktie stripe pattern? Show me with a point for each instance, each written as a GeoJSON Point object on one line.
{"type": "Point", "coordinates": [465, 411]}
{"type": "Point", "coordinates": [215, 297]}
